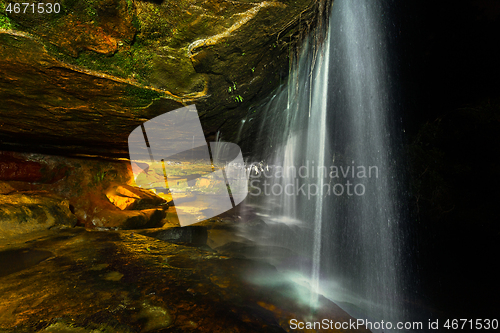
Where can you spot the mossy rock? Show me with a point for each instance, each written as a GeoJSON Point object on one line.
{"type": "Point", "coordinates": [107, 66]}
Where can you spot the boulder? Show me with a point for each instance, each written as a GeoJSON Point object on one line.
{"type": "Point", "coordinates": [128, 219]}
{"type": "Point", "coordinates": [126, 197]}
{"type": "Point", "coordinates": [192, 235]}
{"type": "Point", "coordinates": [23, 212]}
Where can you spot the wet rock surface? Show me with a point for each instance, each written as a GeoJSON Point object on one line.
{"type": "Point", "coordinates": [194, 235]}
{"type": "Point", "coordinates": [126, 282]}
{"type": "Point", "coordinates": [16, 260]}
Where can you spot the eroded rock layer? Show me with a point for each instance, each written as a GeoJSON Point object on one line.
{"type": "Point", "coordinates": [79, 81]}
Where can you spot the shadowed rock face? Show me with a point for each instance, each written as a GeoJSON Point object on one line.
{"type": "Point", "coordinates": [78, 82]}
{"type": "Point", "coordinates": [14, 261]}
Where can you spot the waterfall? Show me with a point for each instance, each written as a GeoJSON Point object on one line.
{"type": "Point", "coordinates": [331, 188]}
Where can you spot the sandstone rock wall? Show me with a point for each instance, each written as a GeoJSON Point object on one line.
{"type": "Point", "coordinates": [79, 81]}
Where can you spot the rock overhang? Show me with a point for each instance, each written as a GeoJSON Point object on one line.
{"type": "Point", "coordinates": [77, 83]}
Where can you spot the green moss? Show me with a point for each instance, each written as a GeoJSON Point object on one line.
{"type": "Point", "coordinates": [134, 63]}
{"type": "Point", "coordinates": [131, 11]}
{"type": "Point", "coordinates": [99, 177]}
{"type": "Point", "coordinates": [91, 12]}
{"type": "Point", "coordinates": [130, 7]}
{"type": "Point", "coordinates": [5, 22]}
{"type": "Point", "coordinates": [136, 23]}
{"type": "Point", "coordinates": [68, 5]}
{"type": "Point", "coordinates": [142, 95]}
{"type": "Point", "coordinates": [91, 8]}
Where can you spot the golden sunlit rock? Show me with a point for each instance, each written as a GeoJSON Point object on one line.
{"type": "Point", "coordinates": [128, 197]}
